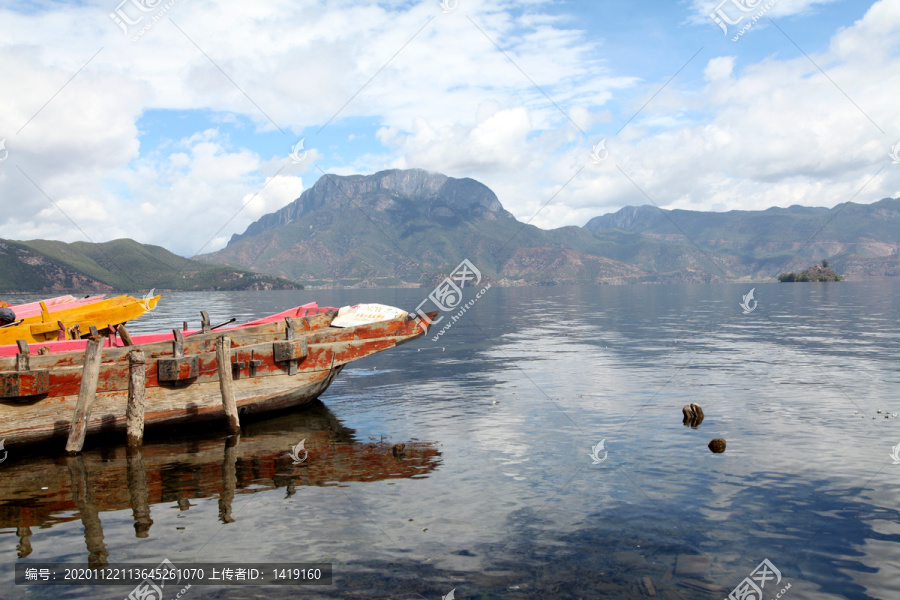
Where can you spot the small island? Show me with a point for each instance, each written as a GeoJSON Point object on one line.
{"type": "Point", "coordinates": [814, 273]}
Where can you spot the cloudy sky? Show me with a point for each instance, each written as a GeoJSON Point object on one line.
{"type": "Point", "coordinates": [179, 122]}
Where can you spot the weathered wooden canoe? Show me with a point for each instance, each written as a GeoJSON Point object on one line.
{"type": "Point", "coordinates": [274, 365]}
{"type": "Point", "coordinates": [73, 319]}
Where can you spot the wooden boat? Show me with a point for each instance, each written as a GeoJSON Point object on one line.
{"type": "Point", "coordinates": [73, 319]}
{"type": "Point", "coordinates": [40, 492]}
{"type": "Point", "coordinates": [275, 364]}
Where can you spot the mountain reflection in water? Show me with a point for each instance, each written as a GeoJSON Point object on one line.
{"type": "Point", "coordinates": [40, 492]}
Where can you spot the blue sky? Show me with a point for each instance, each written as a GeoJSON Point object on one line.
{"type": "Point", "coordinates": [175, 126]}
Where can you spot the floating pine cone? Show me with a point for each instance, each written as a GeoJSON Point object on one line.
{"type": "Point", "coordinates": [717, 445]}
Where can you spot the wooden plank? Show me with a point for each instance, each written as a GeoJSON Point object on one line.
{"type": "Point", "coordinates": [164, 407]}
{"type": "Point", "coordinates": [126, 337]}
{"type": "Point", "coordinates": [136, 385]}
{"type": "Point", "coordinates": [42, 328]}
{"type": "Point", "coordinates": [226, 386]}
{"type": "Point", "coordinates": [89, 378]}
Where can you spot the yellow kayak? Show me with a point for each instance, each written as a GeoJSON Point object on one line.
{"type": "Point", "coordinates": [75, 322]}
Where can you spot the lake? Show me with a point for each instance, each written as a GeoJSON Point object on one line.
{"type": "Point", "coordinates": [474, 463]}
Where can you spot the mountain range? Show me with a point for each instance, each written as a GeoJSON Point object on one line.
{"type": "Point", "coordinates": [45, 266]}
{"type": "Point", "coordinates": [411, 227]}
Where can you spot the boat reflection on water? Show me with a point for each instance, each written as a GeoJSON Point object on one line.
{"type": "Point", "coordinates": [41, 492]}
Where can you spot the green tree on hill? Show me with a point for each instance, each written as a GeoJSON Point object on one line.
{"type": "Point", "coordinates": [815, 273]}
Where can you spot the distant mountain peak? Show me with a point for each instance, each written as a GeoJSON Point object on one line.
{"type": "Point", "coordinates": [438, 194]}
{"type": "Point", "coordinates": [629, 218]}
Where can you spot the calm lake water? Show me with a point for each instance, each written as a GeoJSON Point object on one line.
{"type": "Point", "coordinates": [494, 492]}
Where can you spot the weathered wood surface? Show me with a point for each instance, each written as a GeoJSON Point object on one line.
{"type": "Point", "coordinates": [126, 337]}
{"type": "Point", "coordinates": [226, 384]}
{"type": "Point", "coordinates": [137, 383]}
{"type": "Point", "coordinates": [267, 386]}
{"type": "Point", "coordinates": [87, 392]}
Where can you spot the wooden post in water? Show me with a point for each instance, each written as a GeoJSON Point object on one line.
{"type": "Point", "coordinates": [90, 375]}
{"type": "Point", "coordinates": [223, 362]}
{"type": "Point", "coordinates": [134, 414]}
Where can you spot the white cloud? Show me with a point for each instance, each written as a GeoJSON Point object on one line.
{"type": "Point", "coordinates": [777, 133]}
{"type": "Point", "coordinates": [701, 9]}
{"type": "Point", "coordinates": [719, 68]}
{"type": "Point", "coordinates": [753, 134]}
{"type": "Point", "coordinates": [296, 65]}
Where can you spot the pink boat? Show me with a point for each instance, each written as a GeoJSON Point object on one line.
{"type": "Point", "coordinates": [48, 301]}
{"type": "Point", "coordinates": [53, 305]}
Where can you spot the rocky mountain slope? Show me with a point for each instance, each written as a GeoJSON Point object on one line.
{"type": "Point", "coordinates": [859, 240]}
{"type": "Point", "coordinates": [45, 266]}
{"type": "Point", "coordinates": [411, 227]}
